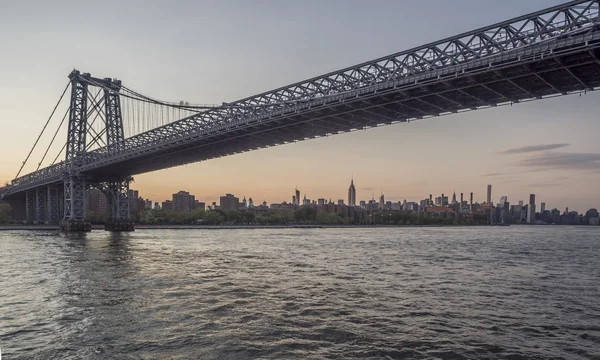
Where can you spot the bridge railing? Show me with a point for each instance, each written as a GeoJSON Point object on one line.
{"type": "Point", "coordinates": [40, 176]}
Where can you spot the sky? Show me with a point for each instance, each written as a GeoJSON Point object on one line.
{"type": "Point", "coordinates": [211, 52]}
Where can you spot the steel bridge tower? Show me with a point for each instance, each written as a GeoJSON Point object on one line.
{"type": "Point", "coordinates": [77, 184]}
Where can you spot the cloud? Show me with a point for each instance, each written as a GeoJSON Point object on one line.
{"type": "Point", "coordinates": [533, 148]}
{"type": "Point", "coordinates": [492, 175]}
{"type": "Point", "coordinates": [562, 161]}
{"type": "Point", "coordinates": [547, 185]}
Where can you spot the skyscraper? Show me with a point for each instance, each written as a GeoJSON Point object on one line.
{"type": "Point", "coordinates": [503, 200]}
{"type": "Point", "coordinates": [352, 194]}
{"type": "Point", "coordinates": [297, 197]}
{"type": "Point", "coordinates": [489, 195]}
{"type": "Point", "coordinates": [542, 207]}
{"type": "Point", "coordinates": [454, 198]}
{"type": "Point", "coordinates": [381, 201]}
{"type": "Point", "coordinates": [531, 209]}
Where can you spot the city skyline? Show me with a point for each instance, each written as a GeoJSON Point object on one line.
{"type": "Point", "coordinates": [454, 195]}
{"type": "Point", "coordinates": [547, 147]}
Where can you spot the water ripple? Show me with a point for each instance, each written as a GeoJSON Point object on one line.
{"type": "Point", "coordinates": [439, 293]}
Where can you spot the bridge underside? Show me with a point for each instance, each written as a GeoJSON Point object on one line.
{"type": "Point", "coordinates": [577, 70]}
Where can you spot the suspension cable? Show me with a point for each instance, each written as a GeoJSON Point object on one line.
{"type": "Point", "coordinates": [60, 152]}
{"type": "Point", "coordinates": [54, 137]}
{"type": "Point", "coordinates": [41, 133]}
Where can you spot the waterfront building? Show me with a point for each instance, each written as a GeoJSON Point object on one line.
{"type": "Point", "coordinates": [97, 202]}
{"type": "Point", "coordinates": [297, 197]}
{"type": "Point", "coordinates": [250, 203]}
{"type": "Point", "coordinates": [340, 202]}
{"type": "Point", "coordinates": [489, 195]}
{"type": "Point", "coordinates": [183, 201]}
{"type": "Point", "coordinates": [363, 204]}
{"type": "Point", "coordinates": [229, 202]}
{"type": "Point", "coordinates": [542, 207]}
{"type": "Point", "coordinates": [167, 205]}
{"type": "Point", "coordinates": [136, 203]}
{"type": "Point", "coordinates": [156, 206]}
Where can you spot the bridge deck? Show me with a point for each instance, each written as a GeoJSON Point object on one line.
{"type": "Point", "coordinates": [559, 73]}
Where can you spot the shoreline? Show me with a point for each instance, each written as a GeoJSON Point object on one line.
{"type": "Point", "coordinates": [46, 227]}
{"type": "Point", "coordinates": [247, 227]}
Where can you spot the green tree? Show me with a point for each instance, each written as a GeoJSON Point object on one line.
{"type": "Point", "coordinates": [214, 218]}
{"type": "Point", "coordinates": [5, 211]}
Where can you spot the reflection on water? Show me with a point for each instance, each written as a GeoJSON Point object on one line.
{"type": "Point", "coordinates": [517, 292]}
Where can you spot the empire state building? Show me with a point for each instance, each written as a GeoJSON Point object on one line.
{"type": "Point", "coordinates": [352, 194]}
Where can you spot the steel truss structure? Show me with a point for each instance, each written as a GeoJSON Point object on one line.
{"type": "Point", "coordinates": [117, 193]}
{"type": "Point", "coordinates": [548, 53]}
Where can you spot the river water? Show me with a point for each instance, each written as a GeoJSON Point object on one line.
{"type": "Point", "coordinates": [383, 293]}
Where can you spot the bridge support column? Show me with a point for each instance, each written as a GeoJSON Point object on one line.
{"type": "Point", "coordinates": [119, 215]}
{"type": "Point", "coordinates": [41, 205]}
{"type": "Point", "coordinates": [75, 197]}
{"type": "Point", "coordinates": [53, 208]}
{"type": "Point", "coordinates": [30, 206]}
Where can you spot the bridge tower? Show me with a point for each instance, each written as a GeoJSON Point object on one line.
{"type": "Point", "coordinates": [76, 182]}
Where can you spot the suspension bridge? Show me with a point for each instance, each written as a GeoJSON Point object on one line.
{"type": "Point", "coordinates": [113, 132]}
